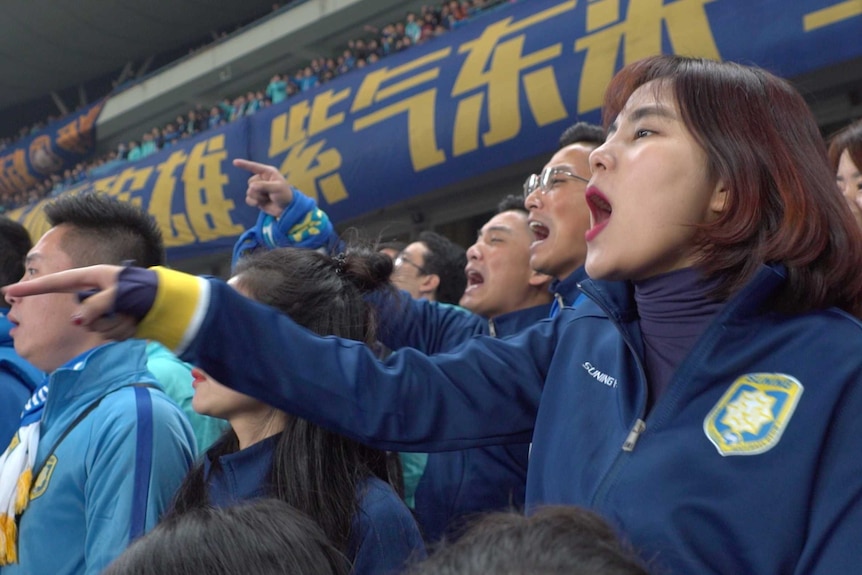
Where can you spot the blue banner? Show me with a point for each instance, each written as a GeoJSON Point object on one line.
{"type": "Point", "coordinates": [60, 146]}
{"type": "Point", "coordinates": [496, 91]}
{"type": "Point", "coordinates": [191, 189]}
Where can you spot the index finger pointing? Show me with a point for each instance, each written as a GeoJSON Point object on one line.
{"type": "Point", "coordinates": [254, 167]}
{"type": "Point", "coordinates": [69, 281]}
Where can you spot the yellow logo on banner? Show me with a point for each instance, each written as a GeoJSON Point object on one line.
{"type": "Point", "coordinates": [751, 416]}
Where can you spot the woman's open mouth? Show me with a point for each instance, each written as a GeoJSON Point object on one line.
{"type": "Point", "coordinates": [600, 212]}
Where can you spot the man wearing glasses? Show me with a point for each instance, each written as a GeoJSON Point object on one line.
{"type": "Point", "coordinates": [458, 484]}
{"type": "Point", "coordinates": [503, 300]}
{"type": "Point", "coordinates": [559, 216]}
{"type": "Point", "coordinates": [431, 268]}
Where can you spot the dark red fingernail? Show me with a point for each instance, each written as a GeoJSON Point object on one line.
{"type": "Point", "coordinates": [77, 320]}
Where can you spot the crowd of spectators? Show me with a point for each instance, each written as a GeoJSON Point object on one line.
{"type": "Point", "coordinates": [30, 129]}
{"type": "Point", "coordinates": [430, 22]}
{"type": "Point", "coordinates": [23, 132]}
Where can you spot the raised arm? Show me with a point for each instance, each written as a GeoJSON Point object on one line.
{"type": "Point", "coordinates": [429, 327]}
{"type": "Point", "coordinates": [287, 216]}
{"type": "Point", "coordinates": [485, 394]}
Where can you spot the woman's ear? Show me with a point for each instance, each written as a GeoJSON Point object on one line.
{"type": "Point", "coordinates": [718, 201]}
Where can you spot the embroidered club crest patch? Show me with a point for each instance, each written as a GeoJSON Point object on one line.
{"type": "Point", "coordinates": [752, 414]}
{"type": "Point", "coordinates": [41, 483]}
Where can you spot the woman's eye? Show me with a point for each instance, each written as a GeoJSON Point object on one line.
{"type": "Point", "coordinates": [642, 133]}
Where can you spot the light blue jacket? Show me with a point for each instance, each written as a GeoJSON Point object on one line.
{"type": "Point", "coordinates": [113, 475]}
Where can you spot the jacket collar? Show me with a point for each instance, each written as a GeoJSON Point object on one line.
{"type": "Point", "coordinates": [512, 322]}
{"type": "Point", "coordinates": [617, 298]}
{"type": "Point", "coordinates": [95, 373]}
{"type": "Point", "coordinates": [240, 475]}
{"type": "Point", "coordinates": [568, 288]}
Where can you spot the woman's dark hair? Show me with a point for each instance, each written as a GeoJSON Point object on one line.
{"type": "Point", "coordinates": [264, 537]}
{"type": "Point", "coordinates": [783, 207]}
{"type": "Point", "coordinates": [314, 470]}
{"type": "Point", "coordinates": [552, 541]}
{"type": "Point", "coordinates": [15, 242]}
{"type": "Point", "coordinates": [848, 138]}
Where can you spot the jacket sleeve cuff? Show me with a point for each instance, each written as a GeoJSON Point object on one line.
{"type": "Point", "coordinates": [302, 225]}
{"type": "Point", "coordinates": [179, 308]}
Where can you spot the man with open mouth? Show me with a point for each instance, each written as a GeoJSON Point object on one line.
{"type": "Point", "coordinates": [531, 251]}
{"type": "Point", "coordinates": [559, 215]}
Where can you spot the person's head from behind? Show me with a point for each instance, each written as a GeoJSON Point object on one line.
{"type": "Point", "coordinates": [314, 470]}
{"type": "Point", "coordinates": [264, 537]}
{"type": "Point", "coordinates": [14, 244]}
{"type": "Point", "coordinates": [559, 217]}
{"type": "Point", "coordinates": [719, 166]}
{"type": "Point", "coordinates": [320, 292]}
{"type": "Point", "coordinates": [86, 230]}
{"type": "Point", "coordinates": [552, 541]}
{"type": "Point", "coordinates": [499, 277]}
{"type": "Point", "coordinates": [845, 157]}
{"type": "Point", "coordinates": [431, 268]}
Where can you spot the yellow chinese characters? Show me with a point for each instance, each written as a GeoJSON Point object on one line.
{"type": "Point", "coordinates": [310, 165]}
{"type": "Point", "coordinates": [385, 84]}
{"type": "Point", "coordinates": [496, 64]}
{"type": "Point", "coordinates": [639, 34]}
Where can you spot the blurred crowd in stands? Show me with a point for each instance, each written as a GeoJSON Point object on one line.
{"type": "Point", "coordinates": [7, 140]}
{"type": "Point", "coordinates": [430, 22]}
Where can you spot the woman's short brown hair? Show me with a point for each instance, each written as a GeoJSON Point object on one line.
{"type": "Point", "coordinates": [783, 207]}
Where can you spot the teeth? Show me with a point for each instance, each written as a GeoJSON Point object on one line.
{"type": "Point", "coordinates": [540, 230]}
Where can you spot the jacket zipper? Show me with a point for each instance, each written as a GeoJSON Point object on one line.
{"type": "Point", "coordinates": [634, 434]}
{"type": "Point", "coordinates": [640, 424]}
{"type": "Point", "coordinates": [561, 303]}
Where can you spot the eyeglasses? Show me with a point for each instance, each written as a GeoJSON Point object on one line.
{"type": "Point", "coordinates": [401, 260]}
{"type": "Point", "coordinates": [545, 180]}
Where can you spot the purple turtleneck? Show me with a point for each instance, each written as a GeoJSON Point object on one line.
{"type": "Point", "coordinates": [674, 310]}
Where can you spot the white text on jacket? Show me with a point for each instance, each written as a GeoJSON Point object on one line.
{"type": "Point", "coordinates": [600, 376]}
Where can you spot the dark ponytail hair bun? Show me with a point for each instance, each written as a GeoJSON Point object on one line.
{"type": "Point", "coordinates": [367, 269]}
